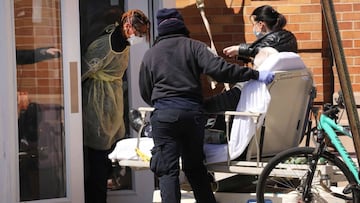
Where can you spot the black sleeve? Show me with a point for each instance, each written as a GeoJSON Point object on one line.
{"type": "Point", "coordinates": [245, 51]}
{"type": "Point", "coordinates": [25, 56]}
{"type": "Point", "coordinates": [221, 70]}
{"type": "Point", "coordinates": [33, 56]}
{"type": "Point", "coordinates": [281, 40]}
{"type": "Point", "coordinates": [145, 84]}
{"type": "Point", "coordinates": [250, 50]}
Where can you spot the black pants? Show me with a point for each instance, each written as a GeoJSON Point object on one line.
{"type": "Point", "coordinates": [97, 168]}
{"type": "Point", "coordinates": [180, 133]}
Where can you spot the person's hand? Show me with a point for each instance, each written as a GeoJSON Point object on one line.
{"type": "Point", "coordinates": [266, 76]}
{"type": "Point", "coordinates": [54, 52]}
{"type": "Point", "coordinates": [231, 51]}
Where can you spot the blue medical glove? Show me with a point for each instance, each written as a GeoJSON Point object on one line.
{"type": "Point", "coordinates": [266, 76]}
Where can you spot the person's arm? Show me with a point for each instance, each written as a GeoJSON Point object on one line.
{"type": "Point", "coordinates": [36, 55]}
{"type": "Point", "coordinates": [247, 50]}
{"type": "Point", "coordinates": [145, 84]}
{"type": "Point", "coordinates": [242, 52]}
{"type": "Point", "coordinates": [221, 70]}
{"type": "Point", "coordinates": [281, 40]}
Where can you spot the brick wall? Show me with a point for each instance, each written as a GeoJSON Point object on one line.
{"type": "Point", "coordinates": [229, 23]}
{"type": "Point", "coordinates": [38, 26]}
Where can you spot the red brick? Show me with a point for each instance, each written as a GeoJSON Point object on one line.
{"type": "Point", "coordinates": [229, 25]}
{"type": "Point", "coordinates": [311, 8]}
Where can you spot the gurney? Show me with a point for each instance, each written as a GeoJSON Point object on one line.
{"type": "Point", "coordinates": [283, 125]}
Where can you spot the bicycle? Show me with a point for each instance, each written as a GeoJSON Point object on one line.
{"type": "Point", "coordinates": [314, 174]}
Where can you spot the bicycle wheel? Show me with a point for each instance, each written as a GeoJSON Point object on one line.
{"type": "Point", "coordinates": [285, 174]}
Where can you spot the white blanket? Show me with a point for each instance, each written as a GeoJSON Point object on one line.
{"type": "Point", "coordinates": [125, 148]}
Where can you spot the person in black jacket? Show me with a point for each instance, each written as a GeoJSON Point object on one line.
{"type": "Point", "coordinates": [268, 27]}
{"type": "Point", "coordinates": [169, 81]}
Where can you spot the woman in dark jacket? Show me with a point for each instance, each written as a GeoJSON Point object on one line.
{"type": "Point", "coordinates": [268, 27]}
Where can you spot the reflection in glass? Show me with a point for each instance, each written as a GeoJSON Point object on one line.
{"type": "Point", "coordinates": [40, 99]}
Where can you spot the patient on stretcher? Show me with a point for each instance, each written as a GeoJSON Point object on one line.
{"type": "Point", "coordinates": [255, 97]}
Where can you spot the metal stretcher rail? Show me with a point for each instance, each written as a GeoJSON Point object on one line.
{"type": "Point", "coordinates": [297, 85]}
{"type": "Point", "coordinates": [227, 116]}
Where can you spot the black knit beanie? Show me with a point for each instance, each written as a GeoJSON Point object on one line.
{"type": "Point", "coordinates": [170, 21]}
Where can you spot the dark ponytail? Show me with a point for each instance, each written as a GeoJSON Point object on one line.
{"type": "Point", "coordinates": [273, 19]}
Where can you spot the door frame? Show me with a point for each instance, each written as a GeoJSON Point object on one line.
{"type": "Point", "coordinates": [9, 161]}
{"type": "Point", "coordinates": [8, 108]}
{"type": "Point", "coordinates": [70, 27]}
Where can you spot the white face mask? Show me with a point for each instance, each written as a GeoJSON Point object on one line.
{"type": "Point", "coordinates": [133, 39]}
{"type": "Point", "coordinates": [258, 34]}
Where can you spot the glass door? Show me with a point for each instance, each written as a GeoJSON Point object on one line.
{"type": "Point", "coordinates": [48, 100]}
{"type": "Point", "coordinates": [40, 99]}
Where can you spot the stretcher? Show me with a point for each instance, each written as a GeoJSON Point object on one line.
{"type": "Point", "coordinates": [283, 125]}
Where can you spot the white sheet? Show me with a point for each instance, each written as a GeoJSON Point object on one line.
{"type": "Point", "coordinates": [125, 149]}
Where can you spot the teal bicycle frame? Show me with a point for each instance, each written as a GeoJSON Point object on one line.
{"type": "Point", "coordinates": [329, 126]}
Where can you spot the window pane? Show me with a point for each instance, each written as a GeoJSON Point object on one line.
{"type": "Point", "coordinates": [40, 99]}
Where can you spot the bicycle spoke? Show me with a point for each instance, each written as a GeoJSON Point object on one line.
{"type": "Point", "coordinates": [286, 174]}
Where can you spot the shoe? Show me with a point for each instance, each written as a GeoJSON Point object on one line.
{"type": "Point", "coordinates": [135, 120]}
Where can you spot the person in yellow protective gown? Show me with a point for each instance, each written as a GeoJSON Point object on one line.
{"type": "Point", "coordinates": [104, 64]}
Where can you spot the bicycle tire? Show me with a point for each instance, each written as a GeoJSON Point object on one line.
{"type": "Point", "coordinates": [281, 184]}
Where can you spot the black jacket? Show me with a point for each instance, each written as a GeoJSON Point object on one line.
{"type": "Point", "coordinates": [172, 68]}
{"type": "Point", "coordinates": [281, 40]}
